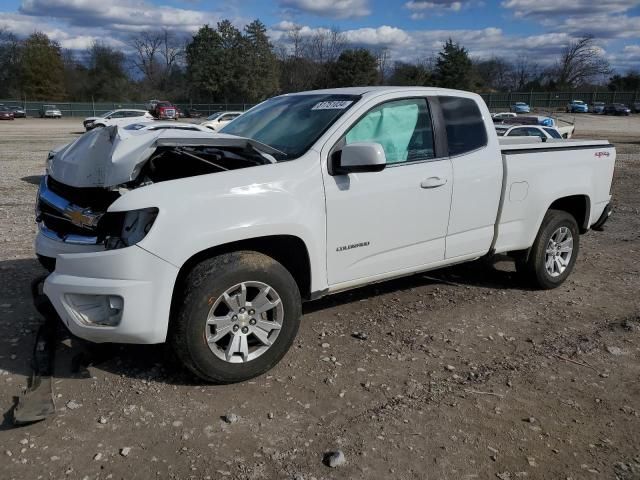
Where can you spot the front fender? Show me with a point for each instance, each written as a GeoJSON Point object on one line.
{"type": "Point", "coordinates": [198, 213]}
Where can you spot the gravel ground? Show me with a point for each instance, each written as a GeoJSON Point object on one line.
{"type": "Point", "coordinates": [462, 373]}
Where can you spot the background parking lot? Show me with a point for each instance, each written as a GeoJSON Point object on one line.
{"type": "Point", "coordinates": [459, 373]}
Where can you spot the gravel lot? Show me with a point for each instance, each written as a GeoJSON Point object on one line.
{"type": "Point", "coordinates": [464, 372]}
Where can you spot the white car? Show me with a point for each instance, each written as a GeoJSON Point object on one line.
{"type": "Point", "coordinates": [164, 125]}
{"type": "Point", "coordinates": [121, 116]}
{"type": "Point", "coordinates": [212, 241]}
{"type": "Point", "coordinates": [502, 115]}
{"type": "Point", "coordinates": [544, 133]}
{"type": "Point", "coordinates": [220, 119]}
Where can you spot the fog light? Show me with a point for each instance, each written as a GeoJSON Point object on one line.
{"type": "Point", "coordinates": [97, 310]}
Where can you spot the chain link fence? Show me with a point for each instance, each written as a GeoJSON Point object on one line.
{"type": "Point", "coordinates": [495, 101]}
{"type": "Point", "coordinates": [92, 109]}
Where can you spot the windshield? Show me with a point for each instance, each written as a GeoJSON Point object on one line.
{"type": "Point", "coordinates": [214, 116]}
{"type": "Point", "coordinates": [105, 115]}
{"type": "Point", "coordinates": [291, 123]}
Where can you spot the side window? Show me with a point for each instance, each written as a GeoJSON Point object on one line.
{"type": "Point", "coordinates": [402, 127]}
{"type": "Point", "coordinates": [554, 133]}
{"type": "Point", "coordinates": [536, 132]}
{"type": "Point", "coordinates": [518, 132]}
{"type": "Point", "coordinates": [465, 128]}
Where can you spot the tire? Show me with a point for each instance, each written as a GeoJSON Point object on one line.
{"type": "Point", "coordinates": [535, 268]}
{"type": "Point", "coordinates": [203, 295]}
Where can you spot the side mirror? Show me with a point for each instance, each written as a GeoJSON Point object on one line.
{"type": "Point", "coordinates": [358, 157]}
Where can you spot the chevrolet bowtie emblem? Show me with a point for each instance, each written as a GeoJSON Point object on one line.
{"type": "Point", "coordinates": [81, 217]}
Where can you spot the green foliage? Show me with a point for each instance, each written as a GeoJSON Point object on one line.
{"type": "Point", "coordinates": [355, 67]}
{"type": "Point", "coordinates": [10, 51]}
{"type": "Point", "coordinates": [408, 74]}
{"type": "Point", "coordinates": [453, 67]}
{"type": "Point", "coordinates": [42, 69]}
{"type": "Point", "coordinates": [107, 77]}
{"type": "Point", "coordinates": [627, 83]}
{"type": "Point", "coordinates": [225, 64]}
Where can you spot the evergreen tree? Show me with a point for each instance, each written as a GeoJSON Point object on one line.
{"type": "Point", "coordinates": [453, 67]}
{"type": "Point", "coordinates": [203, 68]}
{"type": "Point", "coordinates": [356, 67]}
{"type": "Point", "coordinates": [262, 63]}
{"type": "Point", "coordinates": [42, 68]}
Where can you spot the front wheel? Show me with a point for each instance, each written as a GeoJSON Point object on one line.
{"type": "Point", "coordinates": [239, 314]}
{"type": "Point", "coordinates": [554, 252]}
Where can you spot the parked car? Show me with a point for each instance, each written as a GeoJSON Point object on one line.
{"type": "Point", "coordinates": [597, 107]}
{"type": "Point", "coordinates": [50, 111]}
{"type": "Point", "coordinates": [616, 109]}
{"type": "Point", "coordinates": [520, 107]}
{"type": "Point", "coordinates": [219, 119]}
{"type": "Point", "coordinates": [636, 107]}
{"type": "Point", "coordinates": [18, 112]}
{"type": "Point", "coordinates": [544, 133]}
{"type": "Point", "coordinates": [108, 118]}
{"type": "Point", "coordinates": [565, 127]}
{"type": "Point", "coordinates": [192, 113]}
{"type": "Point", "coordinates": [6, 113]}
{"type": "Point", "coordinates": [160, 125]}
{"type": "Point", "coordinates": [577, 106]}
{"type": "Point", "coordinates": [498, 117]}
{"type": "Point", "coordinates": [164, 110]}
{"type": "Point", "coordinates": [305, 195]}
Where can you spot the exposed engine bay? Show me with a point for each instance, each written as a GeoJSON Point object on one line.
{"type": "Point", "coordinates": [82, 180]}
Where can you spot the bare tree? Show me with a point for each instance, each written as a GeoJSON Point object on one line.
{"type": "Point", "coordinates": [325, 46]}
{"type": "Point", "coordinates": [383, 59]}
{"type": "Point", "coordinates": [157, 54]}
{"type": "Point", "coordinates": [579, 62]}
{"type": "Point", "coordinates": [147, 47]}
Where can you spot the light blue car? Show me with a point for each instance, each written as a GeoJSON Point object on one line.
{"type": "Point", "coordinates": [520, 107]}
{"type": "Point", "coordinates": [577, 106]}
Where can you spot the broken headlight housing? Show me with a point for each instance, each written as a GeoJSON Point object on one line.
{"type": "Point", "coordinates": [128, 228]}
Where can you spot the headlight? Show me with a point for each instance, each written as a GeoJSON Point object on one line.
{"type": "Point", "coordinates": [127, 228]}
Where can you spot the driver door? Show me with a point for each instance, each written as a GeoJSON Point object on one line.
{"type": "Point", "coordinates": [394, 221]}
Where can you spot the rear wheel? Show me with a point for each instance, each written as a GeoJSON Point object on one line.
{"type": "Point", "coordinates": [554, 252]}
{"type": "Point", "coordinates": [239, 315]}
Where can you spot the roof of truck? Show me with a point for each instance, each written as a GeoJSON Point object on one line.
{"type": "Point", "coordinates": [379, 90]}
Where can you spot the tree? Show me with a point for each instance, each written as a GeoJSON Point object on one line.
{"type": "Point", "coordinates": [41, 68]}
{"type": "Point", "coordinates": [453, 67]}
{"type": "Point", "coordinates": [409, 74]}
{"type": "Point", "coordinates": [627, 83]}
{"type": "Point", "coordinates": [10, 52]}
{"type": "Point", "coordinates": [107, 77]}
{"type": "Point", "coordinates": [156, 57]}
{"type": "Point", "coordinates": [579, 63]}
{"type": "Point", "coordinates": [232, 62]}
{"type": "Point", "coordinates": [262, 63]}
{"type": "Point", "coordinates": [202, 67]}
{"type": "Point", "coordinates": [355, 67]}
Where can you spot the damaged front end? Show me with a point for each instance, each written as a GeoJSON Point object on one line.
{"type": "Point", "coordinates": [87, 176]}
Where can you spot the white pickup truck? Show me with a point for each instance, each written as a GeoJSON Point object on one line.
{"type": "Point", "coordinates": [211, 242]}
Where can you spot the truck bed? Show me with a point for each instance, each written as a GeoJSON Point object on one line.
{"type": "Point", "coordinates": [537, 173]}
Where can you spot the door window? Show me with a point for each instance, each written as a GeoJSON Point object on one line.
{"type": "Point", "coordinates": [402, 127]}
{"type": "Point", "coordinates": [465, 127]}
{"type": "Point", "coordinates": [518, 132]}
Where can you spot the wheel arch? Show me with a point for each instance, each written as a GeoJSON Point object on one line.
{"type": "Point", "coordinates": [289, 250]}
{"type": "Point", "coordinates": [578, 206]}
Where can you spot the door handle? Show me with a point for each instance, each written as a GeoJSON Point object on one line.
{"type": "Point", "coordinates": [433, 182]}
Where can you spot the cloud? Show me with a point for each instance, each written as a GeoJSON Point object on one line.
{"type": "Point", "coordinates": [543, 8]}
{"type": "Point", "coordinates": [328, 8]}
{"type": "Point", "coordinates": [119, 15]}
{"type": "Point", "coordinates": [421, 7]}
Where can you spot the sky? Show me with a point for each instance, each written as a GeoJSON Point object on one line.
{"type": "Point", "coordinates": [412, 30]}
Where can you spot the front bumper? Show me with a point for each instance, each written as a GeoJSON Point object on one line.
{"type": "Point", "coordinates": [143, 282]}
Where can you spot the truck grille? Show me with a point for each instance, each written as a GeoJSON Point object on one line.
{"type": "Point", "coordinates": [73, 215]}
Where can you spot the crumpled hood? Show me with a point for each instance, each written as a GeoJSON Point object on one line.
{"type": "Point", "coordinates": [111, 156]}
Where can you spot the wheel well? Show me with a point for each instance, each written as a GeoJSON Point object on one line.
{"type": "Point", "coordinates": [288, 250]}
{"type": "Point", "coordinates": [576, 205]}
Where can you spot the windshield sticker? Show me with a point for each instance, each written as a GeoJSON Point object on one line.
{"type": "Point", "coordinates": [335, 105]}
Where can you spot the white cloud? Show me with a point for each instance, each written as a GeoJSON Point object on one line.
{"type": "Point", "coordinates": [329, 8]}
{"type": "Point", "coordinates": [525, 8]}
{"type": "Point", "coordinates": [421, 7]}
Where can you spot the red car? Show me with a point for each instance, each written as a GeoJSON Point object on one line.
{"type": "Point", "coordinates": [6, 114]}
{"type": "Point", "coordinates": [164, 110]}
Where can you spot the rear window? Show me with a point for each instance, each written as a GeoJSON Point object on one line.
{"type": "Point", "coordinates": [554, 133]}
{"type": "Point", "coordinates": [463, 121]}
